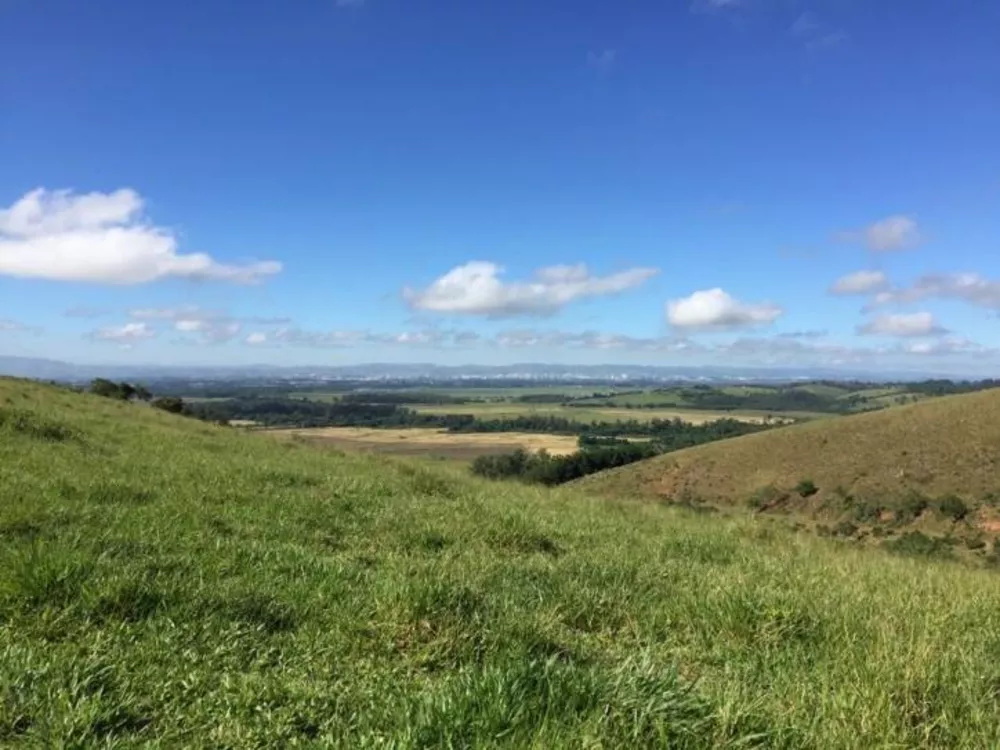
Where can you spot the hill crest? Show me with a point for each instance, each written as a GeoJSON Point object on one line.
{"type": "Point", "coordinates": [946, 446]}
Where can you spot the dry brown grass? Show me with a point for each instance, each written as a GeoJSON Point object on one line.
{"type": "Point", "coordinates": [944, 446]}
{"type": "Point", "coordinates": [431, 443]}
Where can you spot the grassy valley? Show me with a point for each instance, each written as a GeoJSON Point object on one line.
{"type": "Point", "coordinates": [167, 582]}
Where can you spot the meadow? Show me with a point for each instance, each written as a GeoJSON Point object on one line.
{"type": "Point", "coordinates": [170, 583]}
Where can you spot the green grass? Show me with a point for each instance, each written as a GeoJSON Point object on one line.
{"type": "Point", "coordinates": [166, 583]}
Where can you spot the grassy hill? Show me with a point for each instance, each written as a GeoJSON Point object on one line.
{"type": "Point", "coordinates": [884, 461]}
{"type": "Point", "coordinates": [168, 583]}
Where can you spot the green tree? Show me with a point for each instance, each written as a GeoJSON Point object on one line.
{"type": "Point", "coordinates": [171, 404]}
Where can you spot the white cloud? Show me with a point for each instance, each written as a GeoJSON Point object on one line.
{"type": "Point", "coordinates": [814, 34]}
{"type": "Point", "coordinates": [185, 312]}
{"type": "Point", "coordinates": [102, 238]}
{"type": "Point", "coordinates": [905, 325]}
{"type": "Point", "coordinates": [602, 61]}
{"type": "Point", "coordinates": [812, 334]}
{"type": "Point", "coordinates": [10, 326]}
{"type": "Point", "coordinates": [805, 25]}
{"type": "Point", "coordinates": [860, 282]}
{"type": "Point", "coordinates": [128, 333]}
{"type": "Point", "coordinates": [209, 326]}
{"type": "Point", "coordinates": [292, 336]}
{"type": "Point", "coordinates": [948, 345]}
{"type": "Point", "coordinates": [972, 288]}
{"type": "Point", "coordinates": [715, 310]}
{"type": "Point", "coordinates": [210, 331]}
{"type": "Point", "coordinates": [190, 326]}
{"type": "Point", "coordinates": [892, 233]}
{"type": "Point", "coordinates": [477, 289]}
{"type": "Point", "coordinates": [799, 353]}
{"type": "Point", "coordinates": [85, 312]}
{"type": "Point", "coordinates": [714, 6]}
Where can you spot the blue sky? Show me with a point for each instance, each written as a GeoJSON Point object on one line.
{"type": "Point", "coordinates": [655, 181]}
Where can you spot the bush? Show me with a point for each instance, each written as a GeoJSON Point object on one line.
{"type": "Point", "coordinates": [845, 528]}
{"type": "Point", "coordinates": [952, 507]}
{"type": "Point", "coordinates": [917, 544]}
{"type": "Point", "coordinates": [170, 404]}
{"type": "Point", "coordinates": [911, 508]}
{"type": "Point", "coordinates": [868, 513]}
{"type": "Point", "coordinates": [806, 488]}
{"type": "Point", "coordinates": [543, 468]}
{"type": "Point", "coordinates": [766, 497]}
{"type": "Point", "coordinates": [35, 426]}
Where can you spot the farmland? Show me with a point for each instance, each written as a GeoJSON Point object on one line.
{"type": "Point", "coordinates": [427, 443]}
{"type": "Point", "coordinates": [588, 414]}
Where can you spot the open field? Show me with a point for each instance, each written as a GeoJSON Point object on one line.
{"type": "Point", "coordinates": [170, 583]}
{"type": "Point", "coordinates": [430, 443]}
{"type": "Point", "coordinates": [579, 414]}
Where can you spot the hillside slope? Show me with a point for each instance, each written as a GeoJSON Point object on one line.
{"type": "Point", "coordinates": [168, 583]}
{"type": "Point", "coordinates": [945, 446]}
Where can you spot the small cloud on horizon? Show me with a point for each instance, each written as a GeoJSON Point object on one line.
{"type": "Point", "coordinates": [603, 62]}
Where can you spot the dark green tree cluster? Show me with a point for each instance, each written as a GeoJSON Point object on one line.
{"type": "Point", "coordinates": [543, 468]}
{"type": "Point", "coordinates": [120, 391]}
{"type": "Point", "coordinates": [289, 412]}
{"type": "Point", "coordinates": [171, 404]}
{"type": "Point", "coordinates": [950, 387]}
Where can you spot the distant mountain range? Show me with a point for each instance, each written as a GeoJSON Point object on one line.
{"type": "Point", "coordinates": [49, 369]}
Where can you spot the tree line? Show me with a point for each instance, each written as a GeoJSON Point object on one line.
{"type": "Point", "coordinates": [135, 392]}
{"type": "Point", "coordinates": [544, 468]}
{"type": "Point", "coordinates": [303, 413]}
{"type": "Point", "coordinates": [599, 453]}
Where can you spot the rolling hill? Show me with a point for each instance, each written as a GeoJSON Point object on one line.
{"type": "Point", "coordinates": [948, 446]}
{"type": "Point", "coordinates": [170, 583]}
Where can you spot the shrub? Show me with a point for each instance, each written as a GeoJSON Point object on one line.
{"type": "Point", "coordinates": [845, 528]}
{"type": "Point", "coordinates": [867, 513]}
{"type": "Point", "coordinates": [911, 508]}
{"type": "Point", "coordinates": [952, 507]}
{"type": "Point", "coordinates": [917, 544]}
{"type": "Point", "coordinates": [170, 404]}
{"type": "Point", "coordinates": [806, 488]}
{"type": "Point", "coordinates": [34, 426]}
{"type": "Point", "coordinates": [766, 497]}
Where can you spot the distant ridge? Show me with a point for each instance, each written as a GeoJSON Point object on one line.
{"type": "Point", "coordinates": [50, 369]}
